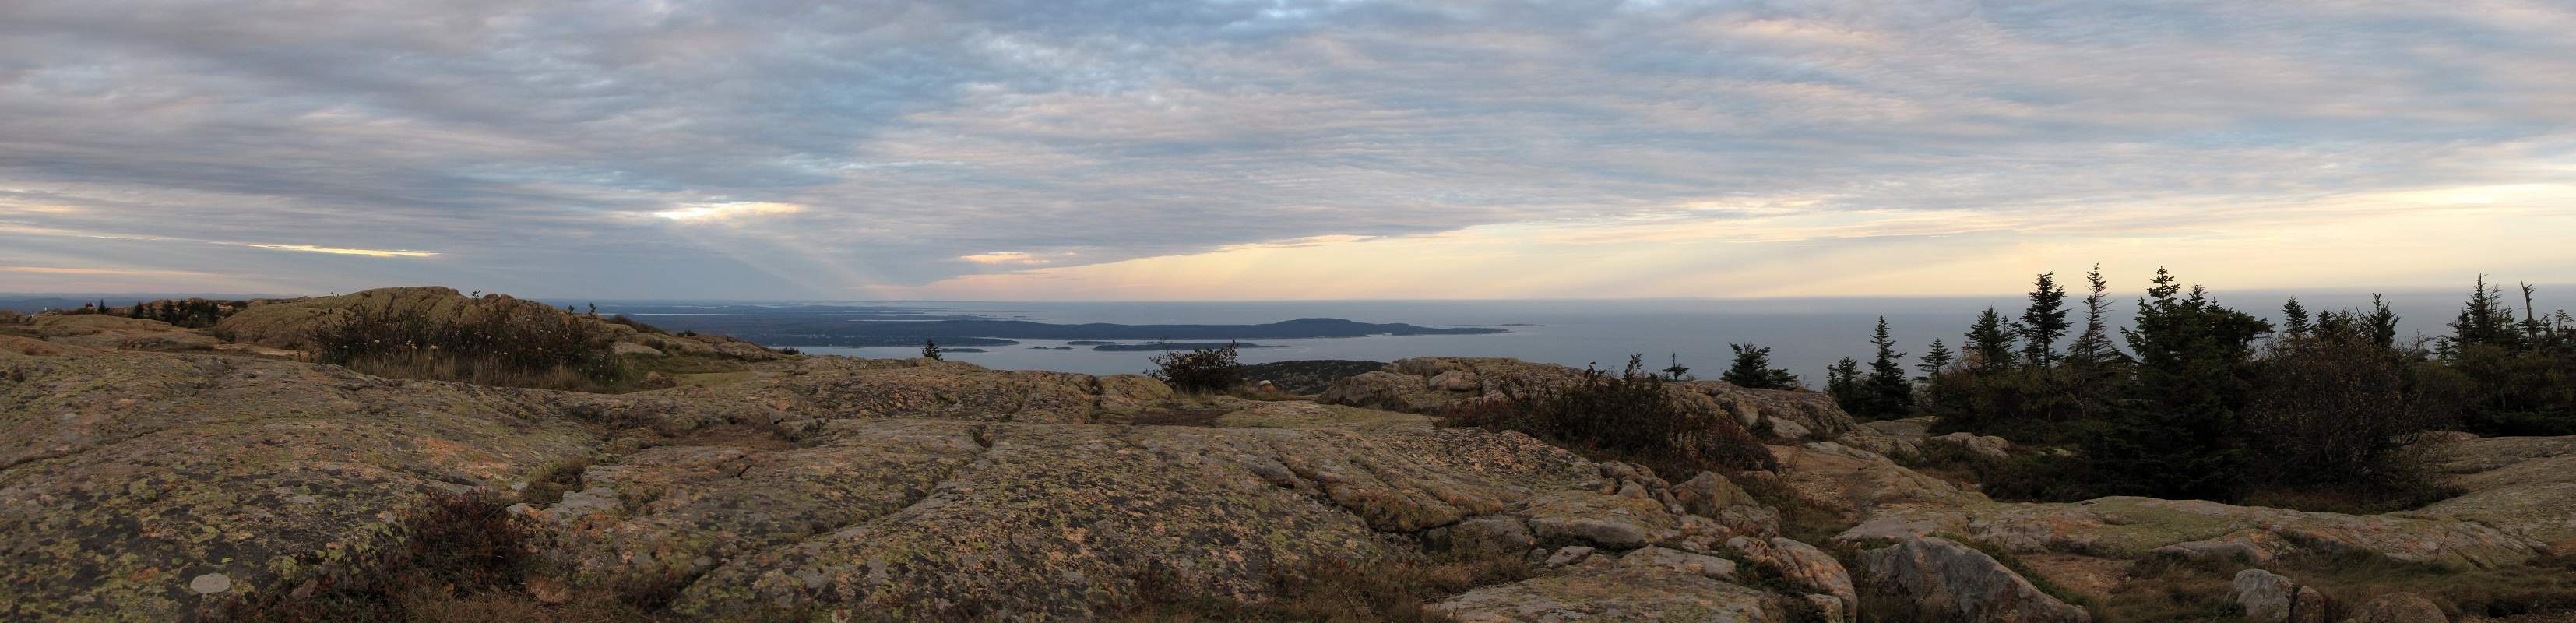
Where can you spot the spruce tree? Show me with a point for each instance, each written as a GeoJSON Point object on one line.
{"type": "Point", "coordinates": [2044, 321]}
{"type": "Point", "coordinates": [1752, 369]}
{"type": "Point", "coordinates": [2093, 347]}
{"type": "Point", "coordinates": [2485, 320]}
{"type": "Point", "coordinates": [1677, 371]}
{"type": "Point", "coordinates": [2183, 436]}
{"type": "Point", "coordinates": [1936, 360]}
{"type": "Point", "coordinates": [930, 349]}
{"type": "Point", "coordinates": [1842, 381]}
{"type": "Point", "coordinates": [2383, 323]}
{"type": "Point", "coordinates": [1889, 394]}
{"type": "Point", "coordinates": [2294, 319]}
{"type": "Point", "coordinates": [1990, 343]}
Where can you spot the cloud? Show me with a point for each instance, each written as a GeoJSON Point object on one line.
{"type": "Point", "coordinates": [893, 145]}
{"type": "Point", "coordinates": [76, 270]}
{"type": "Point", "coordinates": [727, 211]}
{"type": "Point", "coordinates": [338, 251]}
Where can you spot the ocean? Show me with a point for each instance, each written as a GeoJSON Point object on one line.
{"type": "Point", "coordinates": [1805, 334]}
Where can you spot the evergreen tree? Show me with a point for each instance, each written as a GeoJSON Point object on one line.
{"type": "Point", "coordinates": [2093, 347]}
{"type": "Point", "coordinates": [1752, 369]}
{"type": "Point", "coordinates": [2294, 319]}
{"type": "Point", "coordinates": [1842, 381]}
{"type": "Point", "coordinates": [2485, 320]}
{"type": "Point", "coordinates": [930, 349]}
{"type": "Point", "coordinates": [1889, 395]}
{"type": "Point", "coordinates": [1677, 371]}
{"type": "Point", "coordinates": [2183, 438]}
{"type": "Point", "coordinates": [2044, 321]}
{"type": "Point", "coordinates": [1990, 343]}
{"type": "Point", "coordinates": [2383, 323]}
{"type": "Point", "coordinates": [1936, 360]}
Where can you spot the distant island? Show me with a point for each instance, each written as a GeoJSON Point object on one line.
{"type": "Point", "coordinates": [1162, 346]}
{"type": "Point", "coordinates": [863, 326]}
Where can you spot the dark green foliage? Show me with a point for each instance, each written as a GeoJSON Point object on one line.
{"type": "Point", "coordinates": [1935, 361]}
{"type": "Point", "coordinates": [1886, 393]}
{"type": "Point", "coordinates": [1308, 376]}
{"type": "Point", "coordinates": [2181, 438]}
{"type": "Point", "coordinates": [1200, 370]}
{"type": "Point", "coordinates": [1625, 416]}
{"type": "Point", "coordinates": [2485, 321]}
{"type": "Point", "coordinates": [1677, 371]}
{"type": "Point", "coordinates": [2294, 319]}
{"type": "Point", "coordinates": [930, 350]}
{"type": "Point", "coordinates": [2044, 321]}
{"type": "Point", "coordinates": [1842, 381]}
{"type": "Point", "coordinates": [2337, 414]}
{"type": "Point", "coordinates": [1990, 343]}
{"type": "Point", "coordinates": [515, 345]}
{"type": "Point", "coordinates": [2514, 377]}
{"type": "Point", "coordinates": [1752, 369]}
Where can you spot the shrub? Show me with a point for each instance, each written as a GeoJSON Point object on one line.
{"type": "Point", "coordinates": [518, 345]}
{"type": "Point", "coordinates": [1200, 370]}
{"type": "Point", "coordinates": [1627, 416]}
{"type": "Point", "coordinates": [2333, 412]}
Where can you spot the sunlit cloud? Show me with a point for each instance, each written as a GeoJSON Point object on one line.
{"type": "Point", "coordinates": [727, 211]}
{"type": "Point", "coordinates": [340, 251]}
{"type": "Point", "coordinates": [1284, 149]}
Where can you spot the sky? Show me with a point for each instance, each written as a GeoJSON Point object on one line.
{"type": "Point", "coordinates": [1280, 149]}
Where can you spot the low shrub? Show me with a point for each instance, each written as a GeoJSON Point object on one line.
{"type": "Point", "coordinates": [1628, 416]}
{"type": "Point", "coordinates": [1200, 370]}
{"type": "Point", "coordinates": [518, 346]}
{"type": "Point", "coordinates": [464, 559]}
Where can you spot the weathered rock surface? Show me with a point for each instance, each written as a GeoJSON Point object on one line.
{"type": "Point", "coordinates": [1802, 565]}
{"type": "Point", "coordinates": [151, 486]}
{"type": "Point", "coordinates": [1946, 581]}
{"type": "Point", "coordinates": [2130, 526]}
{"type": "Point", "coordinates": [1604, 591]}
{"type": "Point", "coordinates": [1438, 384]}
{"type": "Point", "coordinates": [2399, 608]}
{"type": "Point", "coordinates": [139, 486]}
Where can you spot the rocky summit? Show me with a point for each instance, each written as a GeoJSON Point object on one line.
{"type": "Point", "coordinates": [153, 473]}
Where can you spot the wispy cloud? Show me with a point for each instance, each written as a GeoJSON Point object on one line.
{"type": "Point", "coordinates": [589, 148]}
{"type": "Point", "coordinates": [339, 251]}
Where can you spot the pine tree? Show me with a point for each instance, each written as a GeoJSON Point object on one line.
{"type": "Point", "coordinates": [1990, 344]}
{"type": "Point", "coordinates": [930, 350]}
{"type": "Point", "coordinates": [2183, 438]}
{"type": "Point", "coordinates": [1677, 371]}
{"type": "Point", "coordinates": [2383, 323]}
{"type": "Point", "coordinates": [1890, 394]}
{"type": "Point", "coordinates": [2485, 320]}
{"type": "Point", "coordinates": [2294, 319]}
{"type": "Point", "coordinates": [1936, 360]}
{"type": "Point", "coordinates": [2093, 347]}
{"type": "Point", "coordinates": [2044, 321]}
{"type": "Point", "coordinates": [1752, 369]}
{"type": "Point", "coordinates": [1842, 381]}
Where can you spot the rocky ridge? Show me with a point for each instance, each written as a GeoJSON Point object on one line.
{"type": "Point", "coordinates": [143, 483]}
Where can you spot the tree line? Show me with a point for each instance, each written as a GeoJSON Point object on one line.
{"type": "Point", "coordinates": [2200, 400]}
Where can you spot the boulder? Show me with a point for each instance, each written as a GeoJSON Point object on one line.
{"type": "Point", "coordinates": [2269, 598]}
{"type": "Point", "coordinates": [1707, 494]}
{"type": "Point", "coordinates": [2399, 608]}
{"type": "Point", "coordinates": [1681, 561]}
{"type": "Point", "coordinates": [1484, 537]}
{"type": "Point", "coordinates": [1802, 565]}
{"type": "Point", "coordinates": [1944, 581]}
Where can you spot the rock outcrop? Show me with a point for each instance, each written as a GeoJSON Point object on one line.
{"type": "Point", "coordinates": [1436, 385]}
{"type": "Point", "coordinates": [2267, 597]}
{"type": "Point", "coordinates": [1944, 581]}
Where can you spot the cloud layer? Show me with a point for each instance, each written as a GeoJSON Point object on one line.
{"type": "Point", "coordinates": [1217, 149]}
